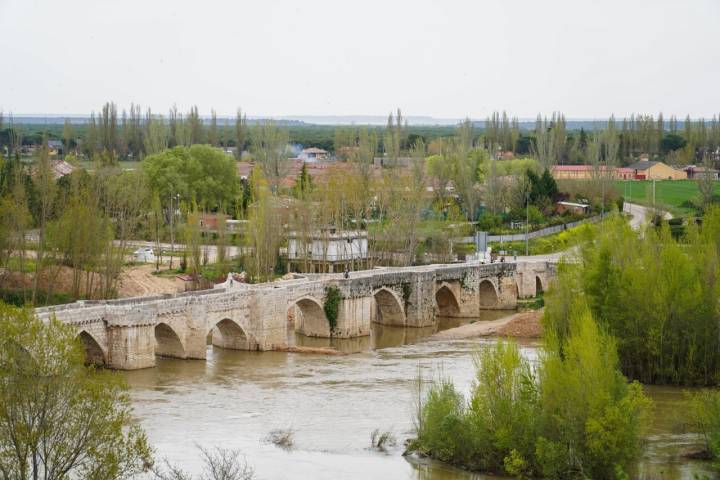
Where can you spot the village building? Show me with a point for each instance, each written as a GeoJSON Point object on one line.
{"type": "Point", "coordinates": [696, 173]}
{"type": "Point", "coordinates": [651, 170]}
{"type": "Point", "coordinates": [585, 172]}
{"type": "Point", "coordinates": [572, 207]}
{"type": "Point", "coordinates": [55, 147]}
{"type": "Point", "coordinates": [61, 168]}
{"type": "Point", "coordinates": [313, 154]}
{"type": "Point", "coordinates": [327, 250]}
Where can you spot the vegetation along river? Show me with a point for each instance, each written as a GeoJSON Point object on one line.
{"type": "Point", "coordinates": [333, 403]}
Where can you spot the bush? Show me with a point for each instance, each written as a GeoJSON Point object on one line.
{"type": "Point", "coordinates": [380, 441]}
{"type": "Point", "coordinates": [704, 418]}
{"type": "Point", "coordinates": [576, 414]}
{"type": "Point", "coordinates": [282, 437]}
{"type": "Point", "coordinates": [332, 306]}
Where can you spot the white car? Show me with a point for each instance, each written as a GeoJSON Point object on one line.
{"type": "Point", "coordinates": [144, 255]}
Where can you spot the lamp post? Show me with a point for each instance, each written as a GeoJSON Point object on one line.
{"type": "Point", "coordinates": [172, 227]}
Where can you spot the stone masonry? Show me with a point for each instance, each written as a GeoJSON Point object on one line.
{"type": "Point", "coordinates": [128, 333]}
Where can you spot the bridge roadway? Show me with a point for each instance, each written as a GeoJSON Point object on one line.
{"type": "Point", "coordinates": [129, 333]}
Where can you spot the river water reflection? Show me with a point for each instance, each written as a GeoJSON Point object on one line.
{"type": "Point", "coordinates": [333, 403]}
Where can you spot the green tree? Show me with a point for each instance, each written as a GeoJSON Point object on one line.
{"type": "Point", "coordinates": [199, 172]}
{"type": "Point", "coordinates": [59, 419]}
{"type": "Point", "coordinates": [240, 133]}
{"type": "Point", "coordinates": [44, 181]}
{"type": "Point", "coordinates": [264, 229]}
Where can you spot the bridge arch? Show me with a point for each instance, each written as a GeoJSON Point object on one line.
{"type": "Point", "coordinates": [447, 302]}
{"type": "Point", "coordinates": [488, 294]}
{"type": "Point", "coordinates": [167, 342]}
{"type": "Point", "coordinates": [388, 308]}
{"type": "Point", "coordinates": [227, 333]}
{"type": "Point", "coordinates": [539, 287]}
{"type": "Point", "coordinates": [94, 354]}
{"type": "Point", "coordinates": [309, 318]}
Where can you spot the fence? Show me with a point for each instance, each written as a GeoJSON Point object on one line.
{"type": "Point", "coordinates": [543, 232]}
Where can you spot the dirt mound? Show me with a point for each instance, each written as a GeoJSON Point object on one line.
{"type": "Point", "coordinates": [523, 325]}
{"type": "Point", "coordinates": [520, 325]}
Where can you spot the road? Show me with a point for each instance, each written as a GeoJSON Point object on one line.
{"type": "Point", "coordinates": [640, 215]}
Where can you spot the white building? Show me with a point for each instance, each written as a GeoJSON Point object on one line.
{"type": "Point", "coordinates": [313, 154]}
{"type": "Point", "coordinates": [327, 250]}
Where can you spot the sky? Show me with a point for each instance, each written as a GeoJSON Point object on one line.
{"type": "Point", "coordinates": [444, 58]}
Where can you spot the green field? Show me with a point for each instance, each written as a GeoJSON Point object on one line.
{"type": "Point", "coordinates": [669, 194]}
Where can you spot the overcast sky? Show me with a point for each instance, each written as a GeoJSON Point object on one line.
{"type": "Point", "coordinates": [445, 58]}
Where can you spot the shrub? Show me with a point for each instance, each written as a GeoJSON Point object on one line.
{"type": "Point", "coordinates": [576, 414]}
{"type": "Point", "coordinates": [332, 305]}
{"type": "Point", "coordinates": [380, 441]}
{"type": "Point", "coordinates": [704, 418]}
{"type": "Point", "coordinates": [282, 437]}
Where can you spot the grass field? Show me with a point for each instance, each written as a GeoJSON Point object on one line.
{"type": "Point", "coordinates": [669, 194]}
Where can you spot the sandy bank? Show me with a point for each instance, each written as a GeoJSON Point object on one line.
{"type": "Point", "coordinates": [520, 325]}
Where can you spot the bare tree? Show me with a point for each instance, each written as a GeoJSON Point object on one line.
{"type": "Point", "coordinates": [219, 464]}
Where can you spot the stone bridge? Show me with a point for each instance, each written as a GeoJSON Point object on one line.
{"type": "Point", "coordinates": [129, 333]}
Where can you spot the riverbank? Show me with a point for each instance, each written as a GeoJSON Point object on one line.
{"type": "Point", "coordinates": [518, 325]}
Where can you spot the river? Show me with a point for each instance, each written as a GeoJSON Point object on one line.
{"type": "Point", "coordinates": [333, 403]}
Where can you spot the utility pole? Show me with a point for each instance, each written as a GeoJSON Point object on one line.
{"type": "Point", "coordinates": [653, 194]}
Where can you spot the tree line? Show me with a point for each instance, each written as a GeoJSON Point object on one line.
{"type": "Point", "coordinates": [658, 295]}
{"type": "Point", "coordinates": [132, 133]}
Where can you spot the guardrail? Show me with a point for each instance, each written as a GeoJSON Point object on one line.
{"type": "Point", "coordinates": [543, 232]}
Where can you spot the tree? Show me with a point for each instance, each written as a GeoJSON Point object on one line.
{"type": "Point", "coordinates": [195, 132]}
{"type": "Point", "coordinates": [672, 142]}
{"type": "Point", "coordinates": [68, 135]}
{"type": "Point", "coordinates": [193, 242]}
{"type": "Point", "coordinates": [270, 151]}
{"type": "Point", "coordinates": [219, 464]}
{"type": "Point", "coordinates": [200, 172]}
{"type": "Point", "coordinates": [706, 183]}
{"type": "Point", "coordinates": [156, 134]}
{"type": "Point", "coordinates": [59, 419]}
{"type": "Point", "coordinates": [44, 180]}
{"type": "Point", "coordinates": [213, 135]}
{"type": "Point", "coordinates": [264, 229]}
{"type": "Point", "coordinates": [240, 133]}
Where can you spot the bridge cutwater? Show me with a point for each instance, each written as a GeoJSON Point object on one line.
{"type": "Point", "coordinates": [128, 333]}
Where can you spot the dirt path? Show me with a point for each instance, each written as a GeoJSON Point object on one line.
{"type": "Point", "coordinates": [521, 325]}
{"type": "Point", "coordinates": [139, 280]}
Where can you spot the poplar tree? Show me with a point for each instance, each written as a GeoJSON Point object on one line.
{"type": "Point", "coordinates": [68, 135]}
{"type": "Point", "coordinates": [213, 135]}
{"type": "Point", "coordinates": [270, 151]}
{"type": "Point", "coordinates": [44, 181]}
{"type": "Point", "coordinates": [240, 133]}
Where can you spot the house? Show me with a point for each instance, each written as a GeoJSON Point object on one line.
{"type": "Point", "coordinates": [61, 168]}
{"type": "Point", "coordinates": [697, 173]}
{"type": "Point", "coordinates": [327, 250]}
{"type": "Point", "coordinates": [650, 170]}
{"type": "Point", "coordinates": [55, 147]}
{"type": "Point", "coordinates": [313, 154]}
{"type": "Point", "coordinates": [572, 207]}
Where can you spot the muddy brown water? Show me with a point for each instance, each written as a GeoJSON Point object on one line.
{"type": "Point", "coordinates": [333, 403]}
